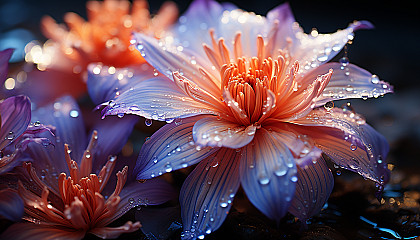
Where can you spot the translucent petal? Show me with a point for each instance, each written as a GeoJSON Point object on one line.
{"type": "Point", "coordinates": [170, 148]}
{"type": "Point", "coordinates": [4, 64]}
{"type": "Point", "coordinates": [313, 188]}
{"type": "Point", "coordinates": [11, 205]}
{"type": "Point", "coordinates": [215, 132]}
{"type": "Point", "coordinates": [157, 99]}
{"type": "Point", "coordinates": [268, 174]}
{"type": "Point", "coordinates": [207, 194]}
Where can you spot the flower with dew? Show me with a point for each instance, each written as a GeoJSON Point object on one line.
{"type": "Point", "coordinates": [248, 108]}
{"type": "Point", "coordinates": [104, 38]}
{"type": "Point", "coordinates": [67, 191]}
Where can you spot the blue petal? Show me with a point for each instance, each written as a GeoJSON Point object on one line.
{"type": "Point", "coordinates": [207, 194]}
{"type": "Point", "coordinates": [15, 115]}
{"type": "Point", "coordinates": [313, 188]}
{"type": "Point", "coordinates": [106, 83]}
{"type": "Point", "coordinates": [11, 205]}
{"type": "Point", "coordinates": [113, 133]}
{"type": "Point", "coordinates": [268, 174]}
{"type": "Point", "coordinates": [158, 99]}
{"type": "Point", "coordinates": [170, 148]}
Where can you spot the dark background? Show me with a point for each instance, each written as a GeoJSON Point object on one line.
{"type": "Point", "coordinates": [391, 51]}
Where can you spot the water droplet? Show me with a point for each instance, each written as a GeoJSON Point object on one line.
{"type": "Point", "coordinates": [168, 167]}
{"type": "Point", "coordinates": [37, 124]}
{"type": "Point", "coordinates": [134, 108]}
{"type": "Point", "coordinates": [148, 122]}
{"type": "Point", "coordinates": [120, 115]}
{"type": "Point", "coordinates": [353, 147]}
{"type": "Point", "coordinates": [329, 105]}
{"type": "Point", "coordinates": [294, 179]}
{"type": "Point", "coordinates": [344, 61]}
{"type": "Point", "coordinates": [338, 172]}
{"type": "Point", "coordinates": [131, 200]}
{"type": "Point", "coordinates": [263, 180]}
{"type": "Point", "coordinates": [323, 58]}
{"type": "Point", "coordinates": [224, 204]}
{"type": "Point", "coordinates": [200, 237]}
{"type": "Point", "coordinates": [10, 136]}
{"type": "Point", "coordinates": [374, 79]}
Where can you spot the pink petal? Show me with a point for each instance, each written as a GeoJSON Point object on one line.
{"type": "Point", "coordinates": [313, 188]}
{"type": "Point", "coordinates": [215, 132]}
{"type": "Point", "coordinates": [114, 232]}
{"type": "Point", "coordinates": [11, 205]}
{"type": "Point", "coordinates": [268, 174]}
{"type": "Point", "coordinates": [348, 81]}
{"type": "Point", "coordinates": [25, 231]}
{"type": "Point", "coordinates": [158, 99]}
{"type": "Point", "coordinates": [170, 148]}
{"type": "Point", "coordinates": [346, 138]}
{"type": "Point", "coordinates": [207, 194]}
{"type": "Point", "coordinates": [15, 117]}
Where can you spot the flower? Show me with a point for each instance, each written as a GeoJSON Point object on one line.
{"type": "Point", "coordinates": [104, 38]}
{"type": "Point", "coordinates": [66, 192]}
{"type": "Point", "coordinates": [247, 107]}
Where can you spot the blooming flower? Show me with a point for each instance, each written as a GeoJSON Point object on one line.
{"type": "Point", "coordinates": [104, 38]}
{"type": "Point", "coordinates": [66, 192]}
{"type": "Point", "coordinates": [248, 109]}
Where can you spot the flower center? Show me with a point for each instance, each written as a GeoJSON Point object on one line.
{"type": "Point", "coordinates": [82, 206]}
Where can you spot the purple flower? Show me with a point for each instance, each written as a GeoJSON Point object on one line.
{"type": "Point", "coordinates": [247, 107]}
{"type": "Point", "coordinates": [78, 185]}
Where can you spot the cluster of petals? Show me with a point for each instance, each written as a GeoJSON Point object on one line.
{"type": "Point", "coordinates": [249, 98]}
{"type": "Point", "coordinates": [67, 192]}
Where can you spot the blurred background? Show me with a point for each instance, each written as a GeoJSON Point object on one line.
{"type": "Point", "coordinates": [391, 51]}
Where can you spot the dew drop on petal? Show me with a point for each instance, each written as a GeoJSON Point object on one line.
{"type": "Point", "coordinates": [374, 79]}
{"type": "Point", "coordinates": [344, 61]}
{"type": "Point", "coordinates": [329, 105]}
{"type": "Point", "coordinates": [74, 113]}
{"type": "Point", "coordinates": [353, 147]}
{"type": "Point", "coordinates": [148, 122]}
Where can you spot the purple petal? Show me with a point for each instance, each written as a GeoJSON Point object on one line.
{"type": "Point", "coordinates": [151, 192]}
{"type": "Point", "coordinates": [167, 60]}
{"type": "Point", "coordinates": [215, 132]}
{"type": "Point", "coordinates": [4, 64]}
{"type": "Point", "coordinates": [15, 115]}
{"type": "Point", "coordinates": [65, 115]}
{"type": "Point", "coordinates": [11, 205]}
{"type": "Point", "coordinates": [207, 194]}
{"type": "Point", "coordinates": [268, 174]}
{"type": "Point", "coordinates": [106, 83]}
{"type": "Point", "coordinates": [113, 133]}
{"type": "Point", "coordinates": [24, 231]}
{"type": "Point", "coordinates": [170, 148]}
{"type": "Point", "coordinates": [348, 140]}
{"type": "Point", "coordinates": [312, 51]}
{"type": "Point", "coordinates": [284, 16]}
{"type": "Point", "coordinates": [348, 81]}
{"type": "Point", "coordinates": [158, 99]}
{"type": "Point", "coordinates": [313, 188]}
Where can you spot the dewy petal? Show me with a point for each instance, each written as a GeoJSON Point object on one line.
{"type": "Point", "coordinates": [312, 51]}
{"type": "Point", "coordinates": [113, 133]}
{"type": "Point", "coordinates": [313, 188]}
{"type": "Point", "coordinates": [11, 205]}
{"type": "Point", "coordinates": [66, 116]}
{"type": "Point", "coordinates": [114, 232]}
{"type": "Point", "coordinates": [4, 64]}
{"type": "Point", "coordinates": [157, 99]}
{"type": "Point", "coordinates": [268, 174]}
{"type": "Point", "coordinates": [170, 148]}
{"type": "Point", "coordinates": [168, 59]}
{"type": "Point", "coordinates": [216, 132]}
{"type": "Point", "coordinates": [192, 28]}
{"type": "Point", "coordinates": [348, 81]}
{"type": "Point", "coordinates": [15, 117]}
{"type": "Point", "coordinates": [348, 140]}
{"type": "Point", "coordinates": [207, 194]}
{"type": "Point", "coordinates": [106, 83]}
{"type": "Point", "coordinates": [150, 192]}
{"type": "Point", "coordinates": [25, 231]}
